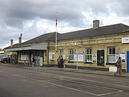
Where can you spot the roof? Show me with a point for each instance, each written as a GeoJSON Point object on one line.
{"type": "Point", "coordinates": [103, 30]}
{"type": "Point", "coordinates": [42, 38]}
{"type": "Point", "coordinates": [86, 33]}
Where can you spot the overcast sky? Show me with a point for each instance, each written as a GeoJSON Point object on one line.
{"type": "Point", "coordinates": [35, 17]}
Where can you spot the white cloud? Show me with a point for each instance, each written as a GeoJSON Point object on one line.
{"type": "Point", "coordinates": [36, 17]}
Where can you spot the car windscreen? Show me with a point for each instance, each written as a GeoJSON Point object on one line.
{"type": "Point", "coordinates": [1, 56]}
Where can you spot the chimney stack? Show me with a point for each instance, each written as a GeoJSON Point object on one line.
{"type": "Point", "coordinates": [95, 24]}
{"type": "Point", "coordinates": [11, 42]}
{"type": "Point", "coordinates": [20, 39]}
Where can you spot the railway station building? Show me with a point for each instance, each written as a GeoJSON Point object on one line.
{"type": "Point", "coordinates": [96, 47]}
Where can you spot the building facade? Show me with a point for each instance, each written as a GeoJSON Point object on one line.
{"type": "Point", "coordinates": [98, 47]}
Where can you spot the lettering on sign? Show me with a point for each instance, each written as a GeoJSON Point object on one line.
{"type": "Point", "coordinates": [125, 40]}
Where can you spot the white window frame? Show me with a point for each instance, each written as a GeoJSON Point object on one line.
{"type": "Point", "coordinates": [88, 54]}
{"type": "Point", "coordinates": [111, 55]}
{"type": "Point", "coordinates": [79, 56]}
{"type": "Point", "coordinates": [71, 54]}
{"type": "Point", "coordinates": [51, 56]}
{"type": "Point", "coordinates": [24, 57]}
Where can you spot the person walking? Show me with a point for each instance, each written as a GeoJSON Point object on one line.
{"type": "Point", "coordinates": [61, 62]}
{"type": "Point", "coordinates": [33, 61]}
{"type": "Point", "coordinates": [58, 60]}
{"type": "Point", "coordinates": [119, 67]}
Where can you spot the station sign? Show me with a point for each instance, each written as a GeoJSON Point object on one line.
{"type": "Point", "coordinates": [125, 40]}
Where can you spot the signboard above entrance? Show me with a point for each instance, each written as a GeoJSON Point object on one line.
{"type": "Point", "coordinates": [125, 40]}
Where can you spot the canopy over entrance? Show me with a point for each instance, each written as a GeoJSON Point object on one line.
{"type": "Point", "coordinates": [39, 46]}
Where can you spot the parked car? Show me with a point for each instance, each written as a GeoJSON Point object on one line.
{"type": "Point", "coordinates": [1, 57]}
{"type": "Point", "coordinates": [5, 60]}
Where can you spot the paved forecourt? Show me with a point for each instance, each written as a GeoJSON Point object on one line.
{"type": "Point", "coordinates": [28, 82]}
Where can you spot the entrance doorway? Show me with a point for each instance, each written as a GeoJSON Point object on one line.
{"type": "Point", "coordinates": [127, 61]}
{"type": "Point", "coordinates": [100, 57]}
{"type": "Point", "coordinates": [38, 57]}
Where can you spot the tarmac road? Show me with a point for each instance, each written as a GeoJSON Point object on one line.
{"type": "Point", "coordinates": [45, 82]}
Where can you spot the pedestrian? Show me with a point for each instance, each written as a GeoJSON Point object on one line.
{"type": "Point", "coordinates": [58, 60]}
{"type": "Point", "coordinates": [119, 67]}
{"type": "Point", "coordinates": [33, 61]}
{"type": "Point", "coordinates": [61, 62]}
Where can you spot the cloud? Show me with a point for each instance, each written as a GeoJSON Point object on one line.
{"type": "Point", "coordinates": [35, 17]}
{"type": "Point", "coordinates": [17, 11]}
{"type": "Point", "coordinates": [120, 7]}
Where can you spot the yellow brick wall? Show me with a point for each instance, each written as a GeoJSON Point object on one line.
{"type": "Point", "coordinates": [96, 43]}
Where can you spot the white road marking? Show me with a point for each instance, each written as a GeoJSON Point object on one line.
{"type": "Point", "coordinates": [62, 86]}
{"type": "Point", "coordinates": [86, 92]}
{"type": "Point", "coordinates": [110, 93]}
{"type": "Point", "coordinates": [93, 85]}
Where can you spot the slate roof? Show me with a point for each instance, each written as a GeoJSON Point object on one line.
{"type": "Point", "coordinates": [42, 38]}
{"type": "Point", "coordinates": [104, 30]}
{"type": "Point", "coordinates": [86, 33]}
